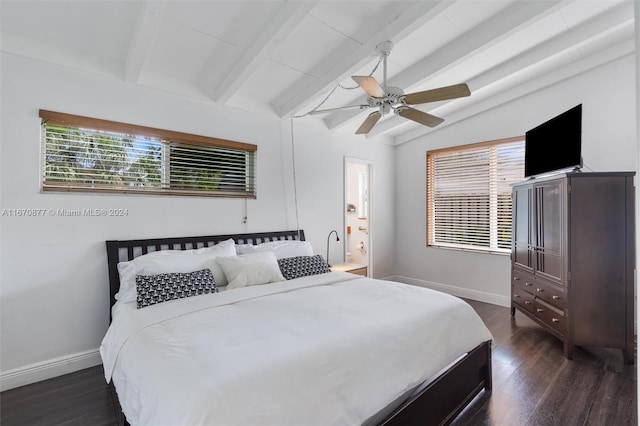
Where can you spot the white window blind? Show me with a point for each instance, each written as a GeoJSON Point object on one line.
{"type": "Point", "coordinates": [469, 194]}
{"type": "Point", "coordinates": [85, 154]}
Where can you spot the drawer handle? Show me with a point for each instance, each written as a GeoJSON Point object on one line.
{"type": "Point", "coordinates": [516, 279]}
{"type": "Point", "coordinates": [528, 284]}
{"type": "Point", "coordinates": [526, 302]}
{"type": "Point", "coordinates": [515, 296]}
{"type": "Point", "coordinates": [554, 297]}
{"type": "Point", "coordinates": [539, 290]}
{"type": "Point", "coordinates": [555, 320]}
{"type": "Point", "coordinates": [539, 310]}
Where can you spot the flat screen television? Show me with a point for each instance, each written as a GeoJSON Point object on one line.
{"type": "Point", "coordinates": [554, 145]}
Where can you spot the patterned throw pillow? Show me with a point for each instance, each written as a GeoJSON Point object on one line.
{"type": "Point", "coordinates": [301, 266]}
{"type": "Point", "coordinates": [153, 289]}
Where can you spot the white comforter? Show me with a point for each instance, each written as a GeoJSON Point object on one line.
{"type": "Point", "coordinates": [330, 349]}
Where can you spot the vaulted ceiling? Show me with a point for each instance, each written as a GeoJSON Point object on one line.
{"type": "Point", "coordinates": [285, 58]}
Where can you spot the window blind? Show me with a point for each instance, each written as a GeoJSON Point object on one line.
{"type": "Point", "coordinates": [469, 194]}
{"type": "Point", "coordinates": [85, 154]}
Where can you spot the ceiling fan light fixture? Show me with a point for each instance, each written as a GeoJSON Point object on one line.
{"type": "Point", "coordinates": [385, 98]}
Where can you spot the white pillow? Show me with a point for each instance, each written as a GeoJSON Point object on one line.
{"type": "Point", "coordinates": [250, 269]}
{"type": "Point", "coordinates": [282, 249]}
{"type": "Point", "coordinates": [166, 261]}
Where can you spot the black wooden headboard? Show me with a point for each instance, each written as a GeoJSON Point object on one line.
{"type": "Point", "coordinates": [124, 250]}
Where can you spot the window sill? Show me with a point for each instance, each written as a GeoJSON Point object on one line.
{"type": "Point", "coordinates": [499, 252]}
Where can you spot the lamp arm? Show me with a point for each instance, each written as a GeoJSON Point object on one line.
{"type": "Point", "coordinates": [328, 237]}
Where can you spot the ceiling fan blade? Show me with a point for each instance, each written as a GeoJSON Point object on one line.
{"type": "Point", "coordinates": [322, 111]}
{"type": "Point", "coordinates": [368, 123]}
{"type": "Point", "coordinates": [441, 94]}
{"type": "Point", "coordinates": [419, 116]}
{"type": "Point", "coordinates": [369, 85]}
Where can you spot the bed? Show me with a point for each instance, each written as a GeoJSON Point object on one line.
{"type": "Point", "coordinates": [316, 347]}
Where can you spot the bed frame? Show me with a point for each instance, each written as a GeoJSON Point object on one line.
{"type": "Point", "coordinates": [435, 403]}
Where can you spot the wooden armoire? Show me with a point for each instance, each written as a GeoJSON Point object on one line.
{"type": "Point", "coordinates": [573, 258]}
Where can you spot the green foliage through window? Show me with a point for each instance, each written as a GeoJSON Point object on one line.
{"type": "Point", "coordinates": [77, 158]}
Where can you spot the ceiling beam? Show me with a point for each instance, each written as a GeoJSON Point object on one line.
{"type": "Point", "coordinates": [583, 34]}
{"type": "Point", "coordinates": [149, 19]}
{"type": "Point", "coordinates": [587, 32]}
{"type": "Point", "coordinates": [503, 96]}
{"type": "Point", "coordinates": [302, 93]}
{"type": "Point", "coordinates": [498, 27]}
{"type": "Point", "coordinates": [288, 17]}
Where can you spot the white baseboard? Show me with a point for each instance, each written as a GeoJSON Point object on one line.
{"type": "Point", "coordinates": [48, 369]}
{"type": "Point", "coordinates": [481, 296]}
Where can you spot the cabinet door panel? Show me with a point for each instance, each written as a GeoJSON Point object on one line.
{"type": "Point", "coordinates": [523, 227]}
{"type": "Point", "coordinates": [550, 229]}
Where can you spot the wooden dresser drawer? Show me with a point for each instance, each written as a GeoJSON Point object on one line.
{"type": "Point", "coordinates": [553, 294]}
{"type": "Point", "coordinates": [523, 299]}
{"type": "Point", "coordinates": [551, 316]}
{"type": "Point", "coordinates": [522, 280]}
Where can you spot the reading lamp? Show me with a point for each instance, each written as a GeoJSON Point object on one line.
{"type": "Point", "coordinates": [337, 241]}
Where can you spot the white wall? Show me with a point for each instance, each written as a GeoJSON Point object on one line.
{"type": "Point", "coordinates": [53, 280]}
{"type": "Point", "coordinates": [53, 277]}
{"type": "Point", "coordinates": [609, 144]}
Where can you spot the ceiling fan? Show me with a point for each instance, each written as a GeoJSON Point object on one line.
{"type": "Point", "coordinates": [387, 98]}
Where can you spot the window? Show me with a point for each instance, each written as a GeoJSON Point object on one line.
{"type": "Point", "coordinates": [469, 194]}
{"type": "Point", "coordinates": [87, 154]}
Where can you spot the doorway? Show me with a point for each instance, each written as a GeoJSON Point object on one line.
{"type": "Point", "coordinates": [357, 213]}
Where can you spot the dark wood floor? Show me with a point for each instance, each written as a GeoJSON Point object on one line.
{"type": "Point", "coordinates": [533, 384]}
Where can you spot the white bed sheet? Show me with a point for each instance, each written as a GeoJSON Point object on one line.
{"type": "Point", "coordinates": [329, 349]}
